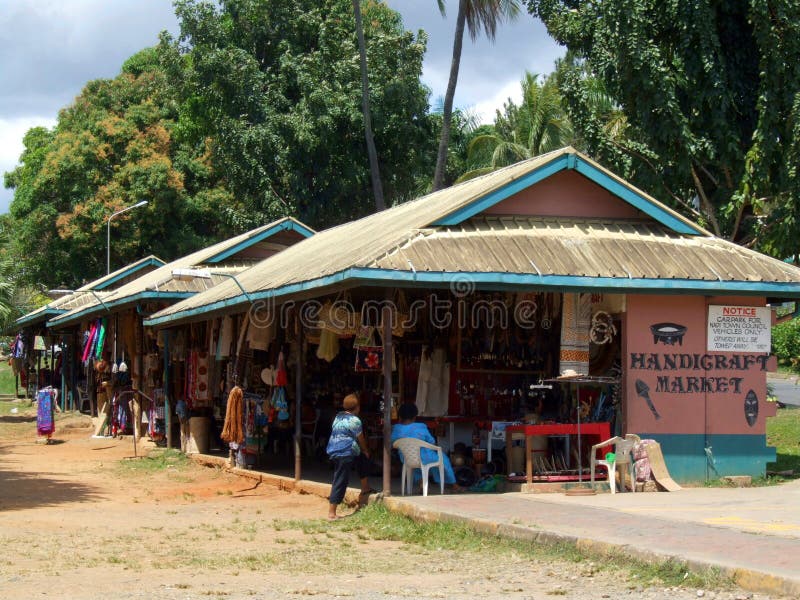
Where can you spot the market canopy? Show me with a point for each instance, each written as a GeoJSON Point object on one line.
{"type": "Point", "coordinates": [214, 264]}
{"type": "Point", "coordinates": [559, 220]}
{"type": "Point", "coordinates": [89, 292]}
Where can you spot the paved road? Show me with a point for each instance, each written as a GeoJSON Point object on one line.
{"type": "Point", "coordinates": [787, 389]}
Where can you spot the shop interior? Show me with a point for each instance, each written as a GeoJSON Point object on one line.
{"type": "Point", "coordinates": [472, 365]}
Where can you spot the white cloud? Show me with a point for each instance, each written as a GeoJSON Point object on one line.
{"type": "Point", "coordinates": [485, 109]}
{"type": "Point", "coordinates": [11, 133]}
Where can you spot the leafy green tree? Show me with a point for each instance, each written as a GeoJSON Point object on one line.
{"type": "Point", "coordinates": [709, 91]}
{"type": "Point", "coordinates": [473, 15]}
{"type": "Point", "coordinates": [538, 125]}
{"type": "Point", "coordinates": [277, 85]}
{"type": "Point", "coordinates": [111, 148]}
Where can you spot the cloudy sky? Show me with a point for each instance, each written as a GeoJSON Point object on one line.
{"type": "Point", "coordinates": [49, 50]}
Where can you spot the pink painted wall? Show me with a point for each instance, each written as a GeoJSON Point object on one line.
{"type": "Point", "coordinates": [690, 388]}
{"type": "Point", "coordinates": [566, 194]}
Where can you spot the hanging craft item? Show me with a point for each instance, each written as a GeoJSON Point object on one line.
{"type": "Point", "coordinates": [281, 378]}
{"type": "Point", "coordinates": [338, 317]}
{"type": "Point", "coordinates": [364, 336]}
{"type": "Point", "coordinates": [603, 329]}
{"type": "Point", "coordinates": [575, 323]}
{"type": "Point", "coordinates": [279, 405]}
{"type": "Point", "coordinates": [369, 359]}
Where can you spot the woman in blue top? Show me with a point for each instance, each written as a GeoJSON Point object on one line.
{"type": "Point", "coordinates": [408, 427]}
{"type": "Point", "coordinates": [347, 448]}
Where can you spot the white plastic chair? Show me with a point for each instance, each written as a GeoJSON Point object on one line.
{"type": "Point", "coordinates": [84, 402]}
{"type": "Point", "coordinates": [410, 448]}
{"type": "Point", "coordinates": [623, 456]}
{"type": "Point", "coordinates": [310, 438]}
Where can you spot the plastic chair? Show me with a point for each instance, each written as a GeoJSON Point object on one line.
{"type": "Point", "coordinates": [410, 448]}
{"type": "Point", "coordinates": [84, 402]}
{"type": "Point", "coordinates": [623, 456]}
{"type": "Point", "coordinates": [308, 433]}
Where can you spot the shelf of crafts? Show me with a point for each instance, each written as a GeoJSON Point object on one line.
{"type": "Point", "coordinates": [596, 431]}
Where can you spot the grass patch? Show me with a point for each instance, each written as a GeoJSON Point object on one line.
{"type": "Point", "coordinates": [158, 460]}
{"type": "Point", "coordinates": [6, 379]}
{"type": "Point", "coordinates": [378, 523]}
{"type": "Point", "coordinates": [783, 432]}
{"type": "Point", "coordinates": [20, 405]}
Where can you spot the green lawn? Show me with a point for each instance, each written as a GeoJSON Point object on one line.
{"type": "Point", "coordinates": [6, 378]}
{"type": "Point", "coordinates": [783, 432]}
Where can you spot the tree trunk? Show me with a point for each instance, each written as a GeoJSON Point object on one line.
{"type": "Point", "coordinates": [444, 141]}
{"type": "Point", "coordinates": [374, 169]}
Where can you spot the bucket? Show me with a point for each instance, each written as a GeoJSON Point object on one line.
{"type": "Point", "coordinates": [199, 428]}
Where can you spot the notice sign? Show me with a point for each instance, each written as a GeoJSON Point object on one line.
{"type": "Point", "coordinates": [739, 329]}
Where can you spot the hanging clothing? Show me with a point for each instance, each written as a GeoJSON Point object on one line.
{"type": "Point", "coordinates": [225, 338]}
{"type": "Point", "coordinates": [328, 347]}
{"type": "Point", "coordinates": [433, 384]}
{"type": "Point", "coordinates": [45, 411]}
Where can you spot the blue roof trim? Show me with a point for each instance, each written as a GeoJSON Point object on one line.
{"type": "Point", "coordinates": [636, 200]}
{"type": "Point", "coordinates": [287, 225]}
{"type": "Point", "coordinates": [39, 316]}
{"type": "Point", "coordinates": [501, 281]}
{"type": "Point", "coordinates": [98, 309]}
{"type": "Point", "coordinates": [462, 214]}
{"type": "Point", "coordinates": [130, 271]}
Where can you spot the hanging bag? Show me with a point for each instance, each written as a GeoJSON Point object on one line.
{"type": "Point", "coordinates": [369, 359]}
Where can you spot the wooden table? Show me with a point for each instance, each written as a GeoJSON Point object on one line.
{"type": "Point", "coordinates": [597, 431]}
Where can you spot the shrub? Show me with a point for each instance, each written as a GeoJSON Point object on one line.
{"type": "Point", "coordinates": [786, 342]}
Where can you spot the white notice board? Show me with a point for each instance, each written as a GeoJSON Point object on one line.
{"type": "Point", "coordinates": [739, 328]}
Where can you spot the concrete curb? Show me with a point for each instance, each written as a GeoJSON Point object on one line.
{"type": "Point", "coordinates": [281, 482]}
{"type": "Point", "coordinates": [749, 579]}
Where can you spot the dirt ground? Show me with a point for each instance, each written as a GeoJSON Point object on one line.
{"type": "Point", "coordinates": [79, 519]}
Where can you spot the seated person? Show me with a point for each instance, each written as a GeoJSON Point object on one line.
{"type": "Point", "coordinates": [408, 427]}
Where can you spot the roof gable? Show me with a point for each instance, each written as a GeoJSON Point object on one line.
{"type": "Point", "coordinates": [570, 160]}
{"type": "Point", "coordinates": [123, 275]}
{"type": "Point", "coordinates": [160, 284]}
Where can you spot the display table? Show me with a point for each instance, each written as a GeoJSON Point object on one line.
{"type": "Point", "coordinates": [597, 431]}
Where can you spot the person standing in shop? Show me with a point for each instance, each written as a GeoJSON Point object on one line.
{"type": "Point", "coordinates": [347, 448]}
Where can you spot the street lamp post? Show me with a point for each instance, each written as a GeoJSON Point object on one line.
{"type": "Point", "coordinates": [108, 231]}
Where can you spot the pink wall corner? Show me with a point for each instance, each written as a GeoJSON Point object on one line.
{"type": "Point", "coordinates": [566, 194]}
{"type": "Point", "coordinates": [692, 390]}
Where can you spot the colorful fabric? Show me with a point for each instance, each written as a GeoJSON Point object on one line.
{"type": "Point", "coordinates": [101, 339]}
{"type": "Point", "coordinates": [45, 406]}
{"type": "Point", "coordinates": [420, 431]}
{"type": "Point", "coordinates": [344, 436]}
{"type": "Point", "coordinates": [576, 319]}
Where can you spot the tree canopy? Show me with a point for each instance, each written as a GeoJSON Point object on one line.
{"type": "Point", "coordinates": [709, 94]}
{"type": "Point", "coordinates": [111, 148]}
{"type": "Point", "coordinates": [537, 125]}
{"type": "Point", "coordinates": [276, 83]}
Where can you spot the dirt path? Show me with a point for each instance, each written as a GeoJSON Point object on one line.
{"type": "Point", "coordinates": [81, 519]}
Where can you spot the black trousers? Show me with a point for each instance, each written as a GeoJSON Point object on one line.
{"type": "Point", "coordinates": [342, 466]}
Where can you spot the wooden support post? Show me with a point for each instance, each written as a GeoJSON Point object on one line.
{"type": "Point", "coordinates": [298, 401]}
{"type": "Point", "coordinates": [166, 383]}
{"type": "Point", "coordinates": [387, 398]}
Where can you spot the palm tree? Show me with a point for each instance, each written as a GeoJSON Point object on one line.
{"type": "Point", "coordinates": [538, 125]}
{"type": "Point", "coordinates": [475, 15]}
{"type": "Point", "coordinates": [377, 186]}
